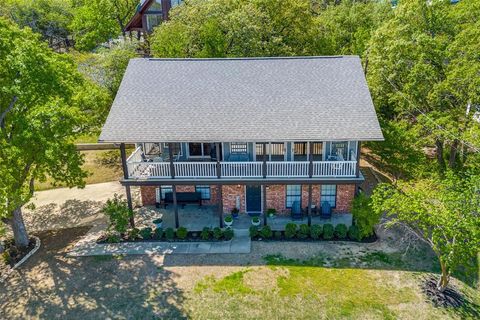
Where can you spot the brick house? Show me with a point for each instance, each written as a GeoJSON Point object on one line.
{"type": "Point", "coordinates": [246, 133]}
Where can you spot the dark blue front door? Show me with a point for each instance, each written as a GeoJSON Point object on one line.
{"type": "Point", "coordinates": [254, 199]}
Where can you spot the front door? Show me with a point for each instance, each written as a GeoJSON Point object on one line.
{"type": "Point", "coordinates": [254, 199]}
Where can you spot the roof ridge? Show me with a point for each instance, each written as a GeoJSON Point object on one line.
{"type": "Point", "coordinates": [251, 58]}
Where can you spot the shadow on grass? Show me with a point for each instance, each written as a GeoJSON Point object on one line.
{"type": "Point", "coordinates": [52, 285]}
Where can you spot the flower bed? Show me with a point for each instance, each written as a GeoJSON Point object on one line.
{"type": "Point", "coordinates": [316, 232]}
{"type": "Point", "coordinates": [12, 254]}
{"type": "Point", "coordinates": [169, 234]}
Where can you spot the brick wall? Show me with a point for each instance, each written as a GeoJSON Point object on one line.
{"type": "Point", "coordinates": [345, 194]}
{"type": "Point", "coordinates": [315, 195]}
{"type": "Point", "coordinates": [276, 197]}
{"type": "Point", "coordinates": [230, 193]}
{"type": "Point", "coordinates": [147, 194]}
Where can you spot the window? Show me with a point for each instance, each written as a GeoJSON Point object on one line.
{"type": "Point", "coordinates": [329, 194]}
{"type": "Point", "coordinates": [277, 151]}
{"type": "Point", "coordinates": [294, 193]}
{"type": "Point", "coordinates": [204, 190]}
{"type": "Point", "coordinates": [199, 149]}
{"type": "Point", "coordinates": [163, 190]}
{"type": "Point", "coordinates": [176, 149]}
{"type": "Point", "coordinates": [339, 150]}
{"type": "Point", "coordinates": [238, 148]}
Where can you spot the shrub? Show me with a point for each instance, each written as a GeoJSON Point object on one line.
{"type": "Point", "coordinates": [253, 231]}
{"type": "Point", "coordinates": [266, 232]}
{"type": "Point", "coordinates": [113, 237]}
{"type": "Point", "coordinates": [228, 218]}
{"type": "Point", "coordinates": [118, 213]}
{"type": "Point", "coordinates": [277, 235]}
{"type": "Point", "coordinates": [255, 219]}
{"type": "Point", "coordinates": [206, 233]}
{"type": "Point", "coordinates": [169, 233]}
{"type": "Point", "coordinates": [364, 216]}
{"type": "Point", "coordinates": [146, 233]}
{"type": "Point", "coordinates": [182, 233]}
{"type": "Point", "coordinates": [132, 234]}
{"type": "Point", "coordinates": [315, 231]}
{"type": "Point", "coordinates": [341, 231]}
{"type": "Point", "coordinates": [228, 234]}
{"type": "Point", "coordinates": [290, 230]}
{"type": "Point", "coordinates": [271, 211]}
{"type": "Point", "coordinates": [217, 233]}
{"type": "Point", "coordinates": [328, 231]}
{"type": "Point", "coordinates": [303, 232]}
{"type": "Point", "coordinates": [354, 233]}
{"type": "Point", "coordinates": [158, 234]}
{"type": "Point", "coordinates": [6, 257]}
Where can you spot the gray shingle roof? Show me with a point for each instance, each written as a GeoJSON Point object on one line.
{"type": "Point", "coordinates": [248, 99]}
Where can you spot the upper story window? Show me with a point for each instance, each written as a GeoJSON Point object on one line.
{"type": "Point", "coordinates": [176, 149]}
{"type": "Point", "coordinates": [199, 149]}
{"type": "Point", "coordinates": [238, 147]}
{"type": "Point", "coordinates": [338, 150]}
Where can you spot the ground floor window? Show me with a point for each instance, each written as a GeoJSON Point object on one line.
{"type": "Point", "coordinates": [294, 193]}
{"type": "Point", "coordinates": [204, 191]}
{"type": "Point", "coordinates": [162, 191]}
{"type": "Point", "coordinates": [329, 194]}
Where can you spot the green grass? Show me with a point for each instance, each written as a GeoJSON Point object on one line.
{"type": "Point", "coordinates": [309, 290]}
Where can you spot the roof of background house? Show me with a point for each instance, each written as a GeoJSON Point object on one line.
{"type": "Point", "coordinates": [244, 99]}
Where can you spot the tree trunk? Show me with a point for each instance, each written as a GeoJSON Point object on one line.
{"type": "Point", "coordinates": [18, 227]}
{"type": "Point", "coordinates": [440, 159]}
{"type": "Point", "coordinates": [453, 153]}
{"type": "Point", "coordinates": [444, 278]}
{"type": "Point", "coordinates": [2, 248]}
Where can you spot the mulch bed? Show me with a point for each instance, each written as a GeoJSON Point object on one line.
{"type": "Point", "coordinates": [450, 297]}
{"type": "Point", "coordinates": [12, 254]}
{"type": "Point", "coordinates": [370, 239]}
{"type": "Point", "coordinates": [191, 237]}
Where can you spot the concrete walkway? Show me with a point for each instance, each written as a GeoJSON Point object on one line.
{"type": "Point", "coordinates": [87, 246]}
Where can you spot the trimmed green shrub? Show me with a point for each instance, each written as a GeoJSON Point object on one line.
{"type": "Point", "coordinates": [228, 234]}
{"type": "Point", "coordinates": [354, 233]}
{"type": "Point", "coordinates": [133, 234]}
{"type": "Point", "coordinates": [113, 237]}
{"type": "Point", "coordinates": [316, 231]}
{"type": "Point", "coordinates": [328, 231]}
{"type": "Point", "coordinates": [364, 216]}
{"type": "Point", "coordinates": [266, 232]}
{"type": "Point", "coordinates": [277, 235]}
{"type": "Point", "coordinates": [158, 234]}
{"type": "Point", "coordinates": [118, 213]}
{"type": "Point", "coordinates": [217, 233]}
{"type": "Point", "coordinates": [303, 231]}
{"type": "Point", "coordinates": [253, 230]}
{"type": "Point", "coordinates": [290, 230]}
{"type": "Point", "coordinates": [206, 233]}
{"type": "Point", "coordinates": [341, 231]}
{"type": "Point", "coordinates": [169, 233]}
{"type": "Point", "coordinates": [146, 233]}
{"type": "Point", "coordinates": [182, 233]}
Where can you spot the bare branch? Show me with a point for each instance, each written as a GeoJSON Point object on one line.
{"type": "Point", "coordinates": [4, 113]}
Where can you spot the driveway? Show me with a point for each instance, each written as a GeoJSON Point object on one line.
{"type": "Point", "coordinates": [65, 208]}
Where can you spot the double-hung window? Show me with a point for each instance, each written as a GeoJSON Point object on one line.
{"type": "Point", "coordinates": [196, 149]}
{"type": "Point", "coordinates": [329, 194]}
{"type": "Point", "coordinates": [204, 191]}
{"type": "Point", "coordinates": [294, 193]}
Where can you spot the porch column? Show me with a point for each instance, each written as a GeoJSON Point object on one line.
{"type": "Point", "coordinates": [217, 151]}
{"type": "Point", "coordinates": [172, 166]}
{"type": "Point", "coordinates": [220, 204]}
{"type": "Point", "coordinates": [264, 190]}
{"type": "Point", "coordinates": [175, 207]}
{"type": "Point", "coordinates": [359, 151]}
{"type": "Point", "coordinates": [310, 175]}
{"type": "Point", "coordinates": [128, 192]}
{"type": "Point", "coordinates": [264, 159]}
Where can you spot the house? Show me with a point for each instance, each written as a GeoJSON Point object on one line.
{"type": "Point", "coordinates": [149, 14]}
{"type": "Point", "coordinates": [250, 133]}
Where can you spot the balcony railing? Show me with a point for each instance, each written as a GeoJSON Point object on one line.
{"type": "Point", "coordinates": [140, 169]}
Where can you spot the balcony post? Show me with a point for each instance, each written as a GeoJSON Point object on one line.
{"type": "Point", "coordinates": [264, 165]}
{"type": "Point", "coordinates": [220, 204]}
{"type": "Point", "coordinates": [128, 192]}
{"type": "Point", "coordinates": [359, 150]}
{"type": "Point", "coordinates": [172, 167]}
{"type": "Point", "coordinates": [219, 168]}
{"type": "Point", "coordinates": [175, 206]}
{"type": "Point", "coordinates": [309, 209]}
{"type": "Point", "coordinates": [310, 164]}
{"type": "Point", "coordinates": [264, 199]}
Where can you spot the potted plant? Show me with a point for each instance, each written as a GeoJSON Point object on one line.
{"type": "Point", "coordinates": [158, 222]}
{"type": "Point", "coordinates": [228, 220]}
{"type": "Point", "coordinates": [235, 212]}
{"type": "Point", "coordinates": [256, 221]}
{"type": "Point", "coordinates": [271, 212]}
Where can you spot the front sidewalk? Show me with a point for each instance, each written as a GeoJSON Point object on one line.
{"type": "Point", "coordinates": [88, 246]}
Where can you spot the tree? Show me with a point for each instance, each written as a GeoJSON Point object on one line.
{"type": "Point", "coordinates": [444, 213]}
{"type": "Point", "coordinates": [40, 114]}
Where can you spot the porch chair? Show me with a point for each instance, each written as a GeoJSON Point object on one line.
{"type": "Point", "coordinates": [326, 210]}
{"type": "Point", "coordinates": [297, 213]}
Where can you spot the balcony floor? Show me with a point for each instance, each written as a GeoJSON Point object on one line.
{"type": "Point", "coordinates": [195, 218]}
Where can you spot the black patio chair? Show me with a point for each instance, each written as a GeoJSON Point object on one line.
{"type": "Point", "coordinates": [326, 210]}
{"type": "Point", "coordinates": [297, 213]}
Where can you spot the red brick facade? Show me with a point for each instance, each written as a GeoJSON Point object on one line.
{"type": "Point", "coordinates": [276, 195]}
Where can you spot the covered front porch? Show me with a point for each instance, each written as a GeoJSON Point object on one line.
{"type": "Point", "coordinates": [195, 218]}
